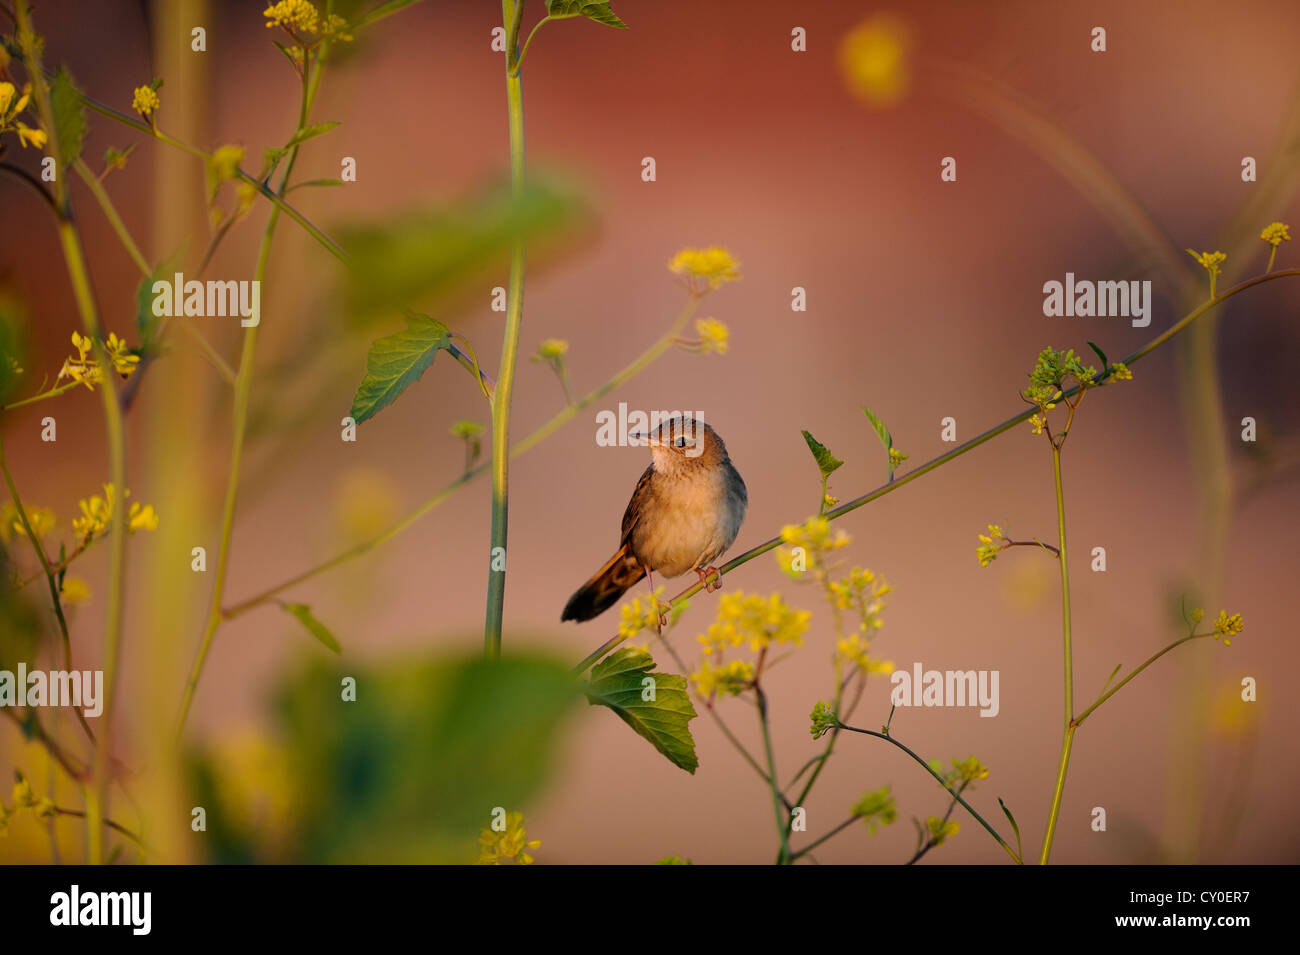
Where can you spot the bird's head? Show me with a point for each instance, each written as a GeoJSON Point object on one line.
{"type": "Point", "coordinates": [683, 442]}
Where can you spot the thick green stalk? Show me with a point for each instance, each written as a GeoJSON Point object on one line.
{"type": "Point", "coordinates": [1067, 740]}
{"type": "Point", "coordinates": [511, 11]}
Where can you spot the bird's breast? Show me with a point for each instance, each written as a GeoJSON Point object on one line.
{"type": "Point", "coordinates": [688, 521]}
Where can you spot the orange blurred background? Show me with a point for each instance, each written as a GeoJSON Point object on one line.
{"type": "Point", "coordinates": [924, 301]}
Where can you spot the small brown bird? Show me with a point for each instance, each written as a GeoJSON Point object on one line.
{"type": "Point", "coordinates": [685, 512]}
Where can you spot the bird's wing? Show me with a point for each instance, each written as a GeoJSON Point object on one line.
{"type": "Point", "coordinates": [636, 507]}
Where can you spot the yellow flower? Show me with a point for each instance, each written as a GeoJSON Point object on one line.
{"type": "Point", "coordinates": [940, 830]}
{"type": "Point", "coordinates": [1119, 372]}
{"type": "Point", "coordinates": [7, 93]}
{"type": "Point", "coordinates": [551, 349]}
{"type": "Point", "coordinates": [225, 162]}
{"type": "Point", "coordinates": [293, 13]}
{"type": "Point", "coordinates": [74, 591]}
{"type": "Point", "coordinates": [145, 101]}
{"type": "Point", "coordinates": [123, 362]}
{"type": "Point", "coordinates": [30, 137]}
{"type": "Point", "coordinates": [854, 649]}
{"type": "Point", "coordinates": [991, 544]}
{"type": "Point", "coordinates": [42, 520]}
{"type": "Point", "coordinates": [1225, 627]}
{"type": "Point", "coordinates": [11, 105]}
{"type": "Point", "coordinates": [97, 515]}
{"type": "Point", "coordinates": [756, 621]}
{"type": "Point", "coordinates": [713, 334]}
{"type": "Point", "coordinates": [334, 29]}
{"type": "Point", "coordinates": [874, 60]}
{"type": "Point", "coordinates": [1037, 423]}
{"type": "Point", "coordinates": [81, 368]}
{"type": "Point", "coordinates": [1276, 233]}
{"type": "Point", "coordinates": [968, 770]}
{"type": "Point", "coordinates": [729, 679]}
{"type": "Point", "coordinates": [23, 796]}
{"type": "Point", "coordinates": [495, 848]}
{"type": "Point", "coordinates": [896, 459]}
{"type": "Point", "coordinates": [1210, 261]}
{"type": "Point", "coordinates": [714, 264]}
{"type": "Point", "coordinates": [637, 616]}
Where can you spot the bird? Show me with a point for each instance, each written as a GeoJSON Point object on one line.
{"type": "Point", "coordinates": [685, 512]}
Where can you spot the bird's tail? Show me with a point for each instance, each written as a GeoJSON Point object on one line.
{"type": "Point", "coordinates": [603, 590]}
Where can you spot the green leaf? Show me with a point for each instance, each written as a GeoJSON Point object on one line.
{"type": "Point", "coordinates": [600, 12]}
{"type": "Point", "coordinates": [407, 771]}
{"type": "Point", "coordinates": [1111, 677]}
{"type": "Point", "coordinates": [308, 132]}
{"type": "Point", "coordinates": [1012, 819]}
{"type": "Point", "coordinates": [287, 55]}
{"type": "Point", "coordinates": [69, 118]}
{"type": "Point", "coordinates": [882, 432]}
{"type": "Point", "coordinates": [826, 462]}
{"type": "Point", "coordinates": [618, 682]}
{"type": "Point", "coordinates": [314, 182]}
{"type": "Point", "coordinates": [397, 361]}
{"type": "Point", "coordinates": [456, 249]}
{"type": "Point", "coordinates": [1100, 354]}
{"type": "Point", "coordinates": [381, 11]}
{"type": "Point", "coordinates": [317, 629]}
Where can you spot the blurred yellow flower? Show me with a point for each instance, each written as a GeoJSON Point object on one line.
{"type": "Point", "coordinates": [713, 334]}
{"type": "Point", "coordinates": [145, 100]}
{"type": "Point", "coordinates": [97, 515]}
{"type": "Point", "coordinates": [74, 591]}
{"type": "Point", "coordinates": [754, 620]}
{"type": "Point", "coordinates": [854, 650]}
{"type": "Point", "coordinates": [714, 264]}
{"type": "Point", "coordinates": [42, 520]}
{"type": "Point", "coordinates": [495, 848]}
{"type": "Point", "coordinates": [729, 679]}
{"type": "Point", "coordinates": [873, 58]}
{"type": "Point", "coordinates": [551, 349]}
{"type": "Point", "coordinates": [11, 105]}
{"type": "Point", "coordinates": [365, 503]}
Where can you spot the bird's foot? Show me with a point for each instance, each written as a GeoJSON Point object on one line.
{"type": "Point", "coordinates": [709, 585]}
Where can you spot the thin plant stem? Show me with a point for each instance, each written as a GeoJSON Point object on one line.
{"type": "Point", "coordinates": [49, 393]}
{"type": "Point", "coordinates": [958, 451]}
{"type": "Point", "coordinates": [512, 12]}
{"type": "Point", "coordinates": [75, 259]}
{"type": "Point", "coordinates": [781, 819]}
{"type": "Point", "coordinates": [243, 390]}
{"type": "Point", "coordinates": [1067, 739]}
{"type": "Point", "coordinates": [1078, 720]}
{"type": "Point", "coordinates": [942, 782]}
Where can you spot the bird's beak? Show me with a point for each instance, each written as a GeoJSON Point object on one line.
{"type": "Point", "coordinates": [639, 439]}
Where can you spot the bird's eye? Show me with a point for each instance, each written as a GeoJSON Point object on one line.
{"type": "Point", "coordinates": [680, 442]}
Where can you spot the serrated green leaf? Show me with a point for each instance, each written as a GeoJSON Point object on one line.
{"type": "Point", "coordinates": [600, 12]}
{"type": "Point", "coordinates": [1016, 829]}
{"type": "Point", "coordinates": [616, 682]}
{"type": "Point", "coordinates": [395, 362]}
{"type": "Point", "coordinates": [826, 462]}
{"type": "Point", "coordinates": [314, 626]}
{"type": "Point", "coordinates": [1100, 354]}
{"type": "Point", "coordinates": [882, 432]}
{"type": "Point", "coordinates": [69, 117]}
{"type": "Point", "coordinates": [310, 132]}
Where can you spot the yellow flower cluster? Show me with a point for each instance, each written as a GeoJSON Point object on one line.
{"type": "Point", "coordinates": [1210, 261]}
{"type": "Point", "coordinates": [896, 459]}
{"type": "Point", "coordinates": [496, 848]}
{"type": "Point", "coordinates": [11, 106]}
{"type": "Point", "coordinates": [638, 615]}
{"type": "Point", "coordinates": [84, 369]}
{"type": "Point", "coordinates": [145, 101]}
{"type": "Point", "coordinates": [714, 264]}
{"type": "Point", "coordinates": [1225, 627]}
{"type": "Point", "coordinates": [74, 591]}
{"type": "Point", "coordinates": [42, 520]}
{"type": "Point", "coordinates": [815, 537]}
{"type": "Point", "coordinates": [1276, 233]}
{"type": "Point", "coordinates": [992, 543]}
{"type": "Point", "coordinates": [293, 13]}
{"type": "Point", "coordinates": [1119, 372]}
{"type": "Point", "coordinates": [729, 679]}
{"type": "Point", "coordinates": [873, 59]}
{"type": "Point", "coordinates": [968, 770]}
{"type": "Point", "coordinates": [713, 334]}
{"type": "Point", "coordinates": [939, 830]}
{"type": "Point", "coordinates": [854, 650]}
{"type": "Point", "coordinates": [755, 620]}
{"type": "Point", "coordinates": [97, 515]}
{"type": "Point", "coordinates": [24, 798]}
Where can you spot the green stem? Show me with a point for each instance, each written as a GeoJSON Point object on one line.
{"type": "Point", "coordinates": [1067, 740]}
{"type": "Point", "coordinates": [51, 393]}
{"type": "Point", "coordinates": [952, 455]}
{"type": "Point", "coordinates": [239, 423]}
{"type": "Point", "coordinates": [782, 821]}
{"type": "Point", "coordinates": [818, 841]}
{"type": "Point", "coordinates": [110, 213]}
{"type": "Point", "coordinates": [942, 782]}
{"type": "Point", "coordinates": [511, 11]}
{"type": "Point", "coordinates": [529, 42]}
{"type": "Point", "coordinates": [1078, 720]}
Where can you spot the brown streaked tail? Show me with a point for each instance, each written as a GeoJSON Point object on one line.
{"type": "Point", "coordinates": [603, 590]}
